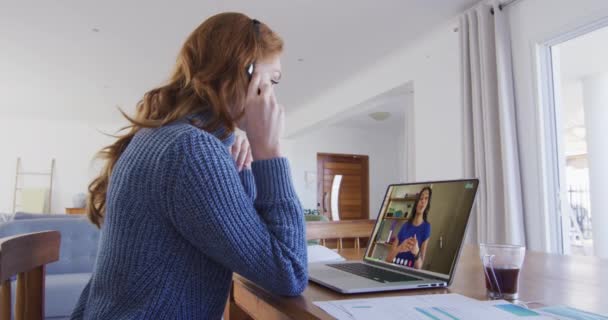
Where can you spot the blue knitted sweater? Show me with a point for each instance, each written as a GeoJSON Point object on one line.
{"type": "Point", "coordinates": [180, 219]}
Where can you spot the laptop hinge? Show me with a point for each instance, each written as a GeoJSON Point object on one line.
{"type": "Point", "coordinates": [406, 271]}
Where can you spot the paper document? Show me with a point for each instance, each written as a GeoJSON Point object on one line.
{"type": "Point", "coordinates": [567, 313]}
{"type": "Point", "coordinates": [424, 307]}
{"type": "Point", "coordinates": [318, 253]}
{"type": "Point", "coordinates": [553, 312]}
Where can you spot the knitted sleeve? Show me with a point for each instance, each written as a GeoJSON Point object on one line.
{"type": "Point", "coordinates": [248, 182]}
{"type": "Point", "coordinates": [264, 240]}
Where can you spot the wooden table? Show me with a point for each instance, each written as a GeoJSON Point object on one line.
{"type": "Point", "coordinates": [546, 279]}
{"type": "Point", "coordinates": [75, 210]}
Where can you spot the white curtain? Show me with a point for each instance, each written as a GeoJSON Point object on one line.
{"type": "Point", "coordinates": [490, 135]}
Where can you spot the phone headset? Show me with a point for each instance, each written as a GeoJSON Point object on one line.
{"type": "Point", "coordinates": [251, 67]}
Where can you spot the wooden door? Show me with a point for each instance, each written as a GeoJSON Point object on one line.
{"type": "Point", "coordinates": [353, 197]}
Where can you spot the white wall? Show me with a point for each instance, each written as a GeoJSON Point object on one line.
{"type": "Point", "coordinates": [595, 97]}
{"type": "Point", "coordinates": [535, 22]}
{"type": "Point", "coordinates": [382, 148]}
{"type": "Point", "coordinates": [72, 144]}
{"type": "Point", "coordinates": [572, 117]}
{"type": "Point", "coordinates": [431, 63]}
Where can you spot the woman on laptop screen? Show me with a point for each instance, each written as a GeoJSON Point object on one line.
{"type": "Point", "coordinates": [410, 248]}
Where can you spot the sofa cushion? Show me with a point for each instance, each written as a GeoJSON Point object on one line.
{"type": "Point", "coordinates": [62, 293]}
{"type": "Point", "coordinates": [79, 241]}
{"type": "Point", "coordinates": [27, 215]}
{"type": "Point", "coordinates": [6, 217]}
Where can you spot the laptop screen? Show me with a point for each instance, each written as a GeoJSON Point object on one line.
{"type": "Point", "coordinates": [422, 225]}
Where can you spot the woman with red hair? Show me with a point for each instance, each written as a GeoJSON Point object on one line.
{"type": "Point", "coordinates": [180, 204]}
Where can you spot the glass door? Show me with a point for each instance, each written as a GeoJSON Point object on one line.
{"type": "Point", "coordinates": [580, 113]}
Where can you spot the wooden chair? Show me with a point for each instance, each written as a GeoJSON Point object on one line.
{"type": "Point", "coordinates": [26, 256]}
{"type": "Point", "coordinates": [345, 229]}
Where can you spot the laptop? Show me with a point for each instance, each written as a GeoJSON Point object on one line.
{"type": "Point", "coordinates": [415, 243]}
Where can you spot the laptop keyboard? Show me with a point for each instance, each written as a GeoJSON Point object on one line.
{"type": "Point", "coordinates": [370, 272]}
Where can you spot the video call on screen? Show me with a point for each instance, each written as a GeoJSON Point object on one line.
{"type": "Point", "coordinates": [422, 226]}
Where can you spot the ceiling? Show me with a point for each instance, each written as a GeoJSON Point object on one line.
{"type": "Point", "coordinates": [54, 66]}
{"type": "Point", "coordinates": [395, 102]}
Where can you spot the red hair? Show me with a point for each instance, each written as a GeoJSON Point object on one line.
{"type": "Point", "coordinates": [209, 76]}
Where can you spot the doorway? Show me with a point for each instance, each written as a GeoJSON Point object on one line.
{"type": "Point", "coordinates": [343, 186]}
{"type": "Point", "coordinates": [576, 115]}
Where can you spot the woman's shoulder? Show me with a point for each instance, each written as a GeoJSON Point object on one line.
{"type": "Point", "coordinates": [180, 140]}
{"type": "Point", "coordinates": [188, 137]}
{"type": "Point", "coordinates": [426, 225]}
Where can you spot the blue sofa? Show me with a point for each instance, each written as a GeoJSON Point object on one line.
{"type": "Point", "coordinates": [65, 278]}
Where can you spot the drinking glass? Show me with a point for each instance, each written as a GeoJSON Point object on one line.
{"type": "Point", "coordinates": [502, 264]}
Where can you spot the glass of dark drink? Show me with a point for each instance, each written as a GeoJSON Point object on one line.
{"type": "Point", "coordinates": [501, 265]}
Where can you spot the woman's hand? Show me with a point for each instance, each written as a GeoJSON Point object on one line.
{"type": "Point", "coordinates": [414, 248]}
{"type": "Point", "coordinates": [404, 246]}
{"type": "Point", "coordinates": [410, 244]}
{"type": "Point", "coordinates": [263, 120]}
{"type": "Point", "coordinates": [392, 253]}
{"type": "Point", "coordinates": [241, 153]}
